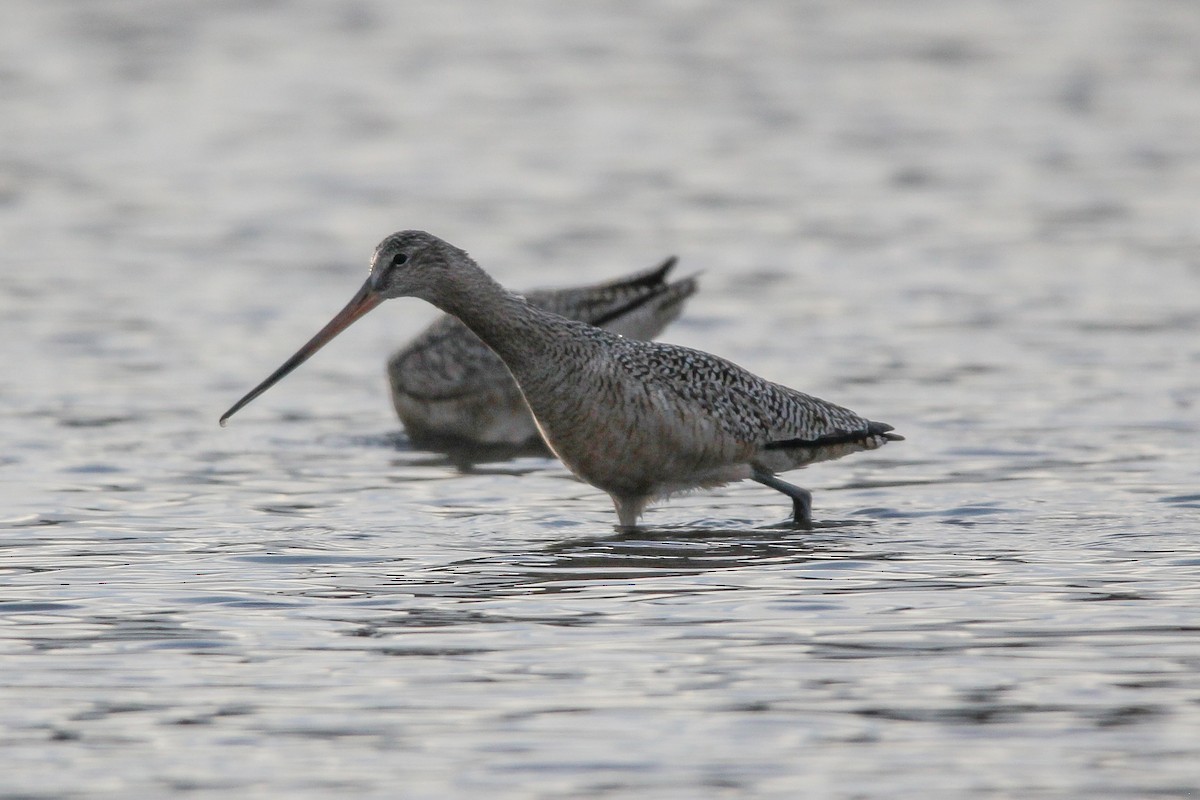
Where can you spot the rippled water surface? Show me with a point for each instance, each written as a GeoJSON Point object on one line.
{"type": "Point", "coordinates": [976, 221]}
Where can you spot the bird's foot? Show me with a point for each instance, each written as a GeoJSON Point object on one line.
{"type": "Point", "coordinates": [801, 498]}
{"type": "Point", "coordinates": [802, 511]}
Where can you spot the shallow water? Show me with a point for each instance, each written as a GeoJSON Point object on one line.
{"type": "Point", "coordinates": [974, 221]}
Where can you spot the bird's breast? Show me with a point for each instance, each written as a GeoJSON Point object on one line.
{"type": "Point", "coordinates": [626, 436]}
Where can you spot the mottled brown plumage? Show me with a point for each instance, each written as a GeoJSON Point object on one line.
{"type": "Point", "coordinates": [640, 420]}
{"type": "Point", "coordinates": [451, 391]}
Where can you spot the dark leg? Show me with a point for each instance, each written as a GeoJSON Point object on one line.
{"type": "Point", "coordinates": [801, 498]}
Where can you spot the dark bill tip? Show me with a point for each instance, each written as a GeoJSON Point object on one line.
{"type": "Point", "coordinates": [362, 302]}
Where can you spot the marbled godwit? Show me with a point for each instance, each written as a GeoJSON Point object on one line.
{"type": "Point", "coordinates": [640, 420]}
{"type": "Point", "coordinates": [452, 392]}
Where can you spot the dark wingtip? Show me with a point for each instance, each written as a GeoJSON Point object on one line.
{"type": "Point", "coordinates": [654, 288]}
{"type": "Point", "coordinates": [659, 273]}
{"type": "Point", "coordinates": [884, 430]}
{"type": "Point", "coordinates": [881, 429]}
{"type": "Point", "coordinates": [651, 278]}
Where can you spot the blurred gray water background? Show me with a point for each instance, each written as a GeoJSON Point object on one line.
{"type": "Point", "coordinates": [977, 221]}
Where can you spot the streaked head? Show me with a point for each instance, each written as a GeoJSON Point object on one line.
{"type": "Point", "coordinates": [413, 264]}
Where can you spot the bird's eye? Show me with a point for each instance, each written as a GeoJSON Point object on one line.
{"type": "Point", "coordinates": [399, 259]}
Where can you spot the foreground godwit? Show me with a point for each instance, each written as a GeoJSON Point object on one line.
{"type": "Point", "coordinates": [452, 392]}
{"type": "Point", "coordinates": [640, 420]}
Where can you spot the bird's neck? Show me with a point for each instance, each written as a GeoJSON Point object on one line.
{"type": "Point", "coordinates": [518, 332]}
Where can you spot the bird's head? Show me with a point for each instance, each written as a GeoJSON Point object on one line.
{"type": "Point", "coordinates": [413, 264]}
